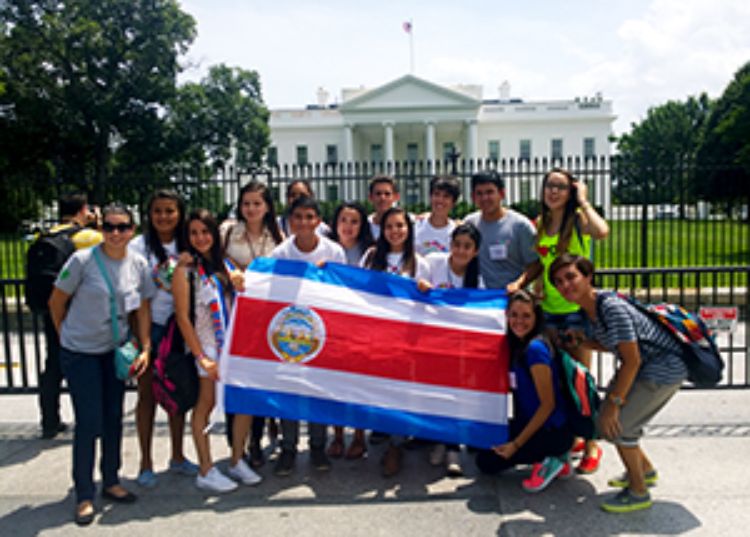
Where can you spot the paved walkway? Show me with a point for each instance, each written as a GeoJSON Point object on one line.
{"type": "Point", "coordinates": [700, 444]}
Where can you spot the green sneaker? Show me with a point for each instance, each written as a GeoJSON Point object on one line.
{"type": "Point", "coordinates": [626, 502]}
{"type": "Point", "coordinates": [622, 481]}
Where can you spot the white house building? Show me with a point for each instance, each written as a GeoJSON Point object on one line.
{"type": "Point", "coordinates": [411, 119]}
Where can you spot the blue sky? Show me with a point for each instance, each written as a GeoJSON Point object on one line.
{"type": "Point", "coordinates": [638, 53]}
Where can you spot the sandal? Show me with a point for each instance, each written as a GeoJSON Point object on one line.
{"type": "Point", "coordinates": [357, 450]}
{"type": "Point", "coordinates": [335, 449]}
{"type": "Point", "coordinates": [85, 512]}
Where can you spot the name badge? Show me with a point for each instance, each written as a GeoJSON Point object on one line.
{"type": "Point", "coordinates": [512, 380]}
{"type": "Point", "coordinates": [498, 252]}
{"type": "Point", "coordinates": [132, 301]}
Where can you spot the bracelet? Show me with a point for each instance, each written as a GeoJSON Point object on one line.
{"type": "Point", "coordinates": [585, 206]}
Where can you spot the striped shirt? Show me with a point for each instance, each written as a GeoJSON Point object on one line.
{"type": "Point", "coordinates": [661, 360]}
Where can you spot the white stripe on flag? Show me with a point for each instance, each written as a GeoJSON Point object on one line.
{"type": "Point", "coordinates": [337, 298]}
{"type": "Point", "coordinates": [366, 390]}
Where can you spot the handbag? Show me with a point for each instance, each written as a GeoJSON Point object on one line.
{"type": "Point", "coordinates": [125, 353]}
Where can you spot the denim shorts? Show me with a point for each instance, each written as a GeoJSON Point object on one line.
{"type": "Point", "coordinates": [562, 322]}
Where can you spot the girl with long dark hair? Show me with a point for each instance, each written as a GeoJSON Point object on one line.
{"type": "Point", "coordinates": [160, 244]}
{"type": "Point", "coordinates": [538, 429]}
{"type": "Point", "coordinates": [206, 290]}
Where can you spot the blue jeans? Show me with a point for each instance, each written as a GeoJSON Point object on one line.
{"type": "Point", "coordinates": [97, 396]}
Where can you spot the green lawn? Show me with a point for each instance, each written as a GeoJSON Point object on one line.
{"type": "Point", "coordinates": [670, 243]}
{"type": "Point", "coordinates": [12, 256]}
{"type": "Point", "coordinates": [675, 243]}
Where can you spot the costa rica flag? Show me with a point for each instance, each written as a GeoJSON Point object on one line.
{"type": "Point", "coordinates": [340, 345]}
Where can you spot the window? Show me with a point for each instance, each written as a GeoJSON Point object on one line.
{"type": "Point", "coordinates": [412, 152]}
{"type": "Point", "coordinates": [302, 155]}
{"type": "Point", "coordinates": [332, 154]}
{"type": "Point", "coordinates": [589, 148]}
{"type": "Point", "coordinates": [524, 150]}
{"type": "Point", "coordinates": [272, 156]}
{"type": "Point", "coordinates": [556, 151]}
{"type": "Point", "coordinates": [449, 149]}
{"type": "Point", "coordinates": [376, 153]}
{"type": "Point", "coordinates": [493, 150]}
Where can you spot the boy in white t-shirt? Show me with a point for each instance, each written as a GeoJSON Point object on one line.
{"type": "Point", "coordinates": [432, 231]}
{"type": "Point", "coordinates": [383, 195]}
{"type": "Point", "coordinates": [305, 245]}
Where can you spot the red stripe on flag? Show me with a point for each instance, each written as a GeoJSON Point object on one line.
{"type": "Point", "coordinates": [384, 348]}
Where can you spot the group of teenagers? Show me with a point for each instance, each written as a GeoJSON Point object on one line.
{"type": "Point", "coordinates": [187, 266]}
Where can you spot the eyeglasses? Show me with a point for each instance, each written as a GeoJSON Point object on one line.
{"type": "Point", "coordinates": [122, 227]}
{"type": "Point", "coordinates": [560, 187]}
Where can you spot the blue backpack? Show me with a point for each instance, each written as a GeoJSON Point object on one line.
{"type": "Point", "coordinates": [699, 350]}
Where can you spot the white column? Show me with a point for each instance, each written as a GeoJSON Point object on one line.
{"type": "Point", "coordinates": [388, 125]}
{"type": "Point", "coordinates": [348, 143]}
{"type": "Point", "coordinates": [429, 144]}
{"type": "Point", "coordinates": [472, 137]}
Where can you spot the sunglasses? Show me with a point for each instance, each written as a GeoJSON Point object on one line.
{"type": "Point", "coordinates": [560, 187]}
{"type": "Point", "coordinates": [122, 227]}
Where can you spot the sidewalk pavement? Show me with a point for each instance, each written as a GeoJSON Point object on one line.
{"type": "Point", "coordinates": [700, 443]}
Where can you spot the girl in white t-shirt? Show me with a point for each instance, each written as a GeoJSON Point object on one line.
{"type": "Point", "coordinates": [394, 250]}
{"type": "Point", "coordinates": [394, 253]}
{"type": "Point", "coordinates": [162, 240]}
{"type": "Point", "coordinates": [456, 269]}
{"type": "Point", "coordinates": [352, 232]}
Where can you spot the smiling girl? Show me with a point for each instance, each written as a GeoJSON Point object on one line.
{"type": "Point", "coordinates": [203, 298]}
{"type": "Point", "coordinates": [538, 429]}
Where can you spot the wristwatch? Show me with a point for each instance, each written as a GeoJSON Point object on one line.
{"type": "Point", "coordinates": [616, 400]}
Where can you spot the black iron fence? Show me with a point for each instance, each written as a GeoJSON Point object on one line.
{"type": "Point", "coordinates": [665, 230]}
{"type": "Point", "coordinates": [24, 350]}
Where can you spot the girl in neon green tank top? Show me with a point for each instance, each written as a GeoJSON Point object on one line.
{"type": "Point", "coordinates": [567, 223]}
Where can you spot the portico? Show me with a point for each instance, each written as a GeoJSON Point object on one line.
{"type": "Point", "coordinates": [409, 119]}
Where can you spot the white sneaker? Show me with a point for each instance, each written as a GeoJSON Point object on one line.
{"type": "Point", "coordinates": [244, 474]}
{"type": "Point", "coordinates": [453, 464]}
{"type": "Point", "coordinates": [215, 481]}
{"type": "Point", "coordinates": [437, 454]}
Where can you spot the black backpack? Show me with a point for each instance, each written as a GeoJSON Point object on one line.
{"type": "Point", "coordinates": [45, 258]}
{"type": "Point", "coordinates": [176, 384]}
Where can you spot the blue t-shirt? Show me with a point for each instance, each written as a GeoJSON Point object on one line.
{"type": "Point", "coordinates": [527, 400]}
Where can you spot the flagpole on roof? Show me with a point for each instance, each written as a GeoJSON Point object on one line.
{"type": "Point", "coordinates": [409, 29]}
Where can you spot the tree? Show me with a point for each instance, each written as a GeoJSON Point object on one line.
{"type": "Point", "coordinates": [220, 118]}
{"type": "Point", "coordinates": [726, 147]}
{"type": "Point", "coordinates": [654, 151]}
{"type": "Point", "coordinates": [81, 78]}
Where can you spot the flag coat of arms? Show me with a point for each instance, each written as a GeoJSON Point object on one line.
{"type": "Point", "coordinates": [340, 345]}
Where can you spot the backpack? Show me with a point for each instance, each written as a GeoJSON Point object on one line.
{"type": "Point", "coordinates": [699, 351]}
{"type": "Point", "coordinates": [175, 383]}
{"type": "Point", "coordinates": [580, 395]}
{"type": "Point", "coordinates": [44, 259]}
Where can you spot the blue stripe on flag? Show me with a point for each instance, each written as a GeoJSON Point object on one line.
{"type": "Point", "coordinates": [291, 406]}
{"type": "Point", "coordinates": [381, 283]}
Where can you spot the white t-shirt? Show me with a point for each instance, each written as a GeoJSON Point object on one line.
{"type": "Point", "coordinates": [441, 275]}
{"type": "Point", "coordinates": [395, 265]}
{"type": "Point", "coordinates": [162, 305]}
{"type": "Point", "coordinates": [374, 228]}
{"type": "Point", "coordinates": [428, 239]}
{"type": "Point", "coordinates": [326, 250]}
